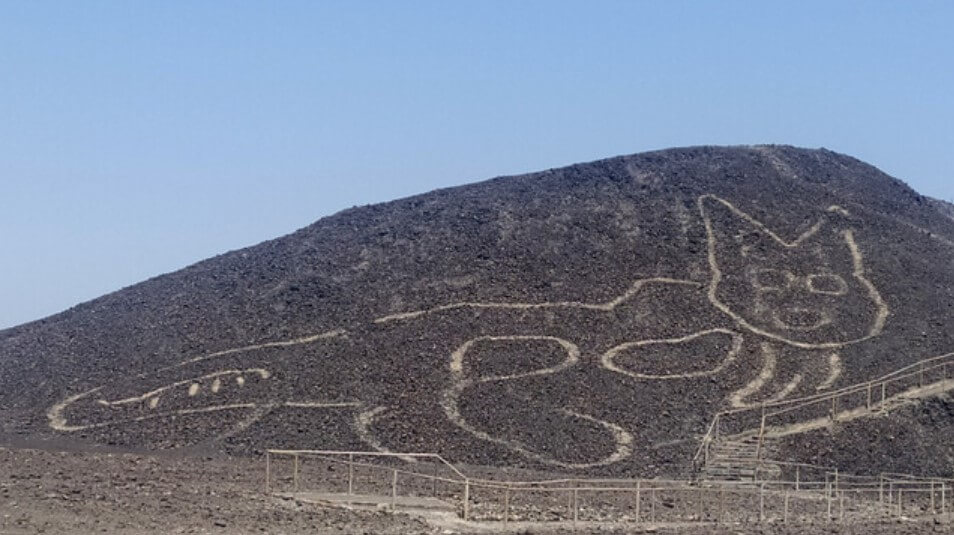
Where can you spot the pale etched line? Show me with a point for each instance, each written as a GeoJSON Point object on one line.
{"type": "Point", "coordinates": [785, 391]}
{"type": "Point", "coordinates": [450, 403]}
{"type": "Point", "coordinates": [634, 289]}
{"type": "Point", "coordinates": [759, 225]}
{"type": "Point", "coordinates": [824, 319]}
{"type": "Point", "coordinates": [858, 272]}
{"type": "Point", "coordinates": [259, 411]}
{"type": "Point", "coordinates": [608, 362]}
{"type": "Point", "coordinates": [835, 369]}
{"type": "Point", "coordinates": [457, 357]}
{"type": "Point", "coordinates": [263, 373]}
{"type": "Point", "coordinates": [213, 408]}
{"type": "Point", "coordinates": [623, 439]}
{"type": "Point", "coordinates": [282, 343]}
{"type": "Point", "coordinates": [59, 422]}
{"type": "Point", "coordinates": [362, 427]}
{"type": "Point", "coordinates": [322, 404]}
{"type": "Point", "coordinates": [907, 397]}
{"type": "Point", "coordinates": [737, 398]}
{"type": "Point", "coordinates": [55, 413]}
{"type": "Point", "coordinates": [861, 274]}
{"type": "Point", "coordinates": [840, 210]}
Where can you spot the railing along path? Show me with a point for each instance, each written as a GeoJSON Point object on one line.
{"type": "Point", "coordinates": [837, 497]}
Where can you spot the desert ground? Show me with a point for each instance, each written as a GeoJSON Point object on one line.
{"type": "Point", "coordinates": [44, 489]}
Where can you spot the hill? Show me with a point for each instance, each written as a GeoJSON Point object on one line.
{"type": "Point", "coordinates": [592, 318]}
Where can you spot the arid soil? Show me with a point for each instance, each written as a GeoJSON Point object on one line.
{"type": "Point", "coordinates": [93, 492]}
{"type": "Point", "coordinates": [85, 492]}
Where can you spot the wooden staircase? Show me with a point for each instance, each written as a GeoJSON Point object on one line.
{"type": "Point", "coordinates": [740, 459]}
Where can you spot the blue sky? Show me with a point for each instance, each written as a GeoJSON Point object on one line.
{"type": "Point", "coordinates": [139, 137]}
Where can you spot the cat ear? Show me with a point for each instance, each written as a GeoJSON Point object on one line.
{"type": "Point", "coordinates": [833, 242]}
{"type": "Point", "coordinates": [731, 231]}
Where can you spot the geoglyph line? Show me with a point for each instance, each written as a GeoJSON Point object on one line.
{"type": "Point", "coordinates": [634, 289]}
{"type": "Point", "coordinates": [261, 372]}
{"type": "Point", "coordinates": [282, 343]}
{"type": "Point", "coordinates": [622, 438]}
{"type": "Point", "coordinates": [457, 357]}
{"type": "Point", "coordinates": [59, 422]}
{"type": "Point", "coordinates": [322, 404]}
{"type": "Point", "coordinates": [858, 272]}
{"type": "Point", "coordinates": [835, 369]}
{"type": "Point", "coordinates": [362, 427]}
{"type": "Point", "coordinates": [786, 390]}
{"type": "Point", "coordinates": [451, 399]}
{"type": "Point", "coordinates": [609, 363]}
{"type": "Point", "coordinates": [769, 361]}
{"type": "Point", "coordinates": [908, 397]}
{"type": "Point", "coordinates": [459, 382]}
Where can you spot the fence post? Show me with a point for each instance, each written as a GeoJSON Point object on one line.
{"type": "Point", "coordinates": [869, 396]}
{"type": "Point", "coordinates": [295, 474]}
{"type": "Point", "coordinates": [921, 376]}
{"type": "Point", "coordinates": [350, 474]}
{"type": "Point", "coordinates": [933, 504]}
{"type": "Point", "coordinates": [702, 503]}
{"type": "Point", "coordinates": [466, 500]}
{"type": "Point", "coordinates": [890, 495]}
{"type": "Point", "coordinates": [268, 470]}
{"type": "Point", "coordinates": [758, 446]}
{"type": "Point", "coordinates": [900, 507]}
{"type": "Point", "coordinates": [797, 477]}
{"type": "Point", "coordinates": [652, 504]}
{"type": "Point", "coordinates": [828, 495]}
{"type": "Point", "coordinates": [507, 505]}
{"type": "Point", "coordinates": [576, 505]}
{"type": "Point", "coordinates": [841, 506]}
{"type": "Point", "coordinates": [393, 490]}
{"type": "Point", "coordinates": [943, 498]}
{"type": "Point", "coordinates": [638, 499]}
{"type": "Point", "coordinates": [881, 489]}
{"type": "Point", "coordinates": [762, 503]}
{"type": "Point", "coordinates": [722, 504]}
{"type": "Point", "coordinates": [884, 396]}
{"type": "Point", "coordinates": [785, 514]}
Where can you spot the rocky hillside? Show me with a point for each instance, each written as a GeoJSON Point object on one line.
{"type": "Point", "coordinates": [591, 318]}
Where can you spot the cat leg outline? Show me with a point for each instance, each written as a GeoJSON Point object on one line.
{"type": "Point", "coordinates": [623, 440]}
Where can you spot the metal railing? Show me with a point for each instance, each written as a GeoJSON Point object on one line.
{"type": "Point", "coordinates": [881, 394]}
{"type": "Point", "coordinates": [395, 481]}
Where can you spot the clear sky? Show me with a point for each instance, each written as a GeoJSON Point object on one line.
{"type": "Point", "coordinates": [139, 137]}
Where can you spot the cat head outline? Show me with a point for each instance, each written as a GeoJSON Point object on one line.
{"type": "Point", "coordinates": [811, 292]}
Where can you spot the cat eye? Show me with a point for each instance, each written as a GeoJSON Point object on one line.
{"type": "Point", "coordinates": [827, 284]}
{"type": "Point", "coordinates": [772, 279]}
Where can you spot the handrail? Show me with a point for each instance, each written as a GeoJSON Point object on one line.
{"type": "Point", "coordinates": [916, 369]}
{"type": "Point", "coordinates": [857, 387]}
{"type": "Point", "coordinates": [833, 490]}
{"type": "Point", "coordinates": [862, 387]}
{"type": "Point", "coordinates": [707, 439]}
{"type": "Point", "coordinates": [372, 454]}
